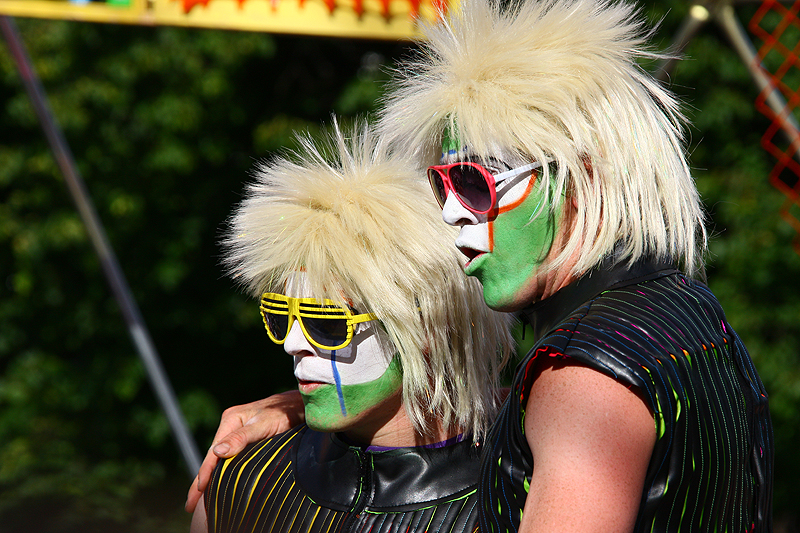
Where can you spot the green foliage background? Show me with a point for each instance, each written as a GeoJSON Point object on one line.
{"type": "Point", "coordinates": [165, 125]}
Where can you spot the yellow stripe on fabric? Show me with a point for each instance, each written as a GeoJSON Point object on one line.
{"type": "Point", "coordinates": [220, 506]}
{"type": "Point", "coordinates": [274, 485]}
{"type": "Point", "coordinates": [241, 467]}
{"type": "Point", "coordinates": [278, 481]}
{"type": "Point", "coordinates": [333, 517]}
{"type": "Point", "coordinates": [430, 520]}
{"type": "Point", "coordinates": [254, 454]}
{"type": "Point", "coordinates": [215, 482]}
{"type": "Point", "coordinates": [283, 504]}
{"type": "Point", "coordinates": [458, 513]}
{"type": "Point", "coordinates": [311, 525]}
{"type": "Point", "coordinates": [269, 461]}
{"type": "Point", "coordinates": [294, 499]}
{"type": "Point", "coordinates": [299, 507]}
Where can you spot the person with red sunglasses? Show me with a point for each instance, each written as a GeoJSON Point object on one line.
{"type": "Point", "coordinates": [358, 284]}
{"type": "Point", "coordinates": [563, 165]}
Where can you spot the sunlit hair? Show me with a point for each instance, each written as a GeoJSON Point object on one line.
{"type": "Point", "coordinates": [367, 233]}
{"type": "Point", "coordinates": [558, 79]}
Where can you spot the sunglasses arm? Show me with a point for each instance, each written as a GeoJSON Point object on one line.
{"type": "Point", "coordinates": [516, 171]}
{"type": "Point", "coordinates": [366, 317]}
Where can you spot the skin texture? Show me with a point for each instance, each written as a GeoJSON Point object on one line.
{"type": "Point", "coordinates": [365, 359]}
{"type": "Point", "coordinates": [240, 425]}
{"type": "Point", "coordinates": [355, 389]}
{"type": "Point", "coordinates": [324, 409]}
{"type": "Point", "coordinates": [591, 437]}
{"type": "Point", "coordinates": [374, 409]}
{"type": "Point", "coordinates": [591, 440]}
{"type": "Point", "coordinates": [199, 518]}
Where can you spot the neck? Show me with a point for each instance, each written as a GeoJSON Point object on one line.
{"type": "Point", "coordinates": [398, 431]}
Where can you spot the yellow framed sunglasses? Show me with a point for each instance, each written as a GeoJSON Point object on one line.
{"type": "Point", "coordinates": [326, 325]}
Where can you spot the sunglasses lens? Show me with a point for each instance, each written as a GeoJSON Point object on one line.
{"type": "Point", "coordinates": [437, 184]}
{"type": "Point", "coordinates": [278, 325]}
{"type": "Point", "coordinates": [471, 187]}
{"type": "Point", "coordinates": [329, 332]}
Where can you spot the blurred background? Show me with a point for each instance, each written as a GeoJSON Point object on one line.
{"type": "Point", "coordinates": [165, 125]}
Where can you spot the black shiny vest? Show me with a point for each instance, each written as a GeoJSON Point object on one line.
{"type": "Point", "coordinates": [652, 328]}
{"type": "Point", "coordinates": [304, 481]}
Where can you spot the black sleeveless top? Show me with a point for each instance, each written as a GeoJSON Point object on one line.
{"type": "Point", "coordinates": [304, 481]}
{"type": "Point", "coordinates": [652, 328]}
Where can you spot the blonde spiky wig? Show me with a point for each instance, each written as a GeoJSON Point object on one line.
{"type": "Point", "coordinates": [558, 80]}
{"type": "Point", "coordinates": [363, 227]}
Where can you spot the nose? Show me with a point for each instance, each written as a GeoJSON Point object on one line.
{"type": "Point", "coordinates": [296, 343]}
{"type": "Point", "coordinates": [456, 214]}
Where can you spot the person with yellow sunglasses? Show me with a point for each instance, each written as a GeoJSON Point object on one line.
{"type": "Point", "coordinates": [395, 354]}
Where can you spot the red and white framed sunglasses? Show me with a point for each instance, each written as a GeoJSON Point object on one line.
{"type": "Point", "coordinates": [473, 185]}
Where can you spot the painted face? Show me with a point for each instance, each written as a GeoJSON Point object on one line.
{"type": "Point", "coordinates": [506, 246]}
{"type": "Point", "coordinates": [356, 386]}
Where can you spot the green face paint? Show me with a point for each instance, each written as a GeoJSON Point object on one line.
{"type": "Point", "coordinates": [324, 407]}
{"type": "Point", "coordinates": [451, 144]}
{"type": "Point", "coordinates": [518, 246]}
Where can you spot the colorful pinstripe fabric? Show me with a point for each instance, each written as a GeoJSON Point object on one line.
{"type": "Point", "coordinates": [711, 469]}
{"type": "Point", "coordinates": [308, 482]}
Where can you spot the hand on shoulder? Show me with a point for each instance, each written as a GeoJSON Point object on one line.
{"type": "Point", "coordinates": [241, 425]}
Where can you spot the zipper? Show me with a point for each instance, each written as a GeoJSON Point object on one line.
{"type": "Point", "coordinates": [364, 492]}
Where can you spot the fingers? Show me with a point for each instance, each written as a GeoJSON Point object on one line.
{"type": "Point", "coordinates": [236, 441]}
{"type": "Point", "coordinates": [193, 497]}
{"type": "Point", "coordinates": [201, 481]}
{"type": "Point", "coordinates": [241, 425]}
{"type": "Point", "coordinates": [258, 420]}
{"type": "Point", "coordinates": [233, 418]}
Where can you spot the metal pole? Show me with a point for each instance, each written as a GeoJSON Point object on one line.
{"type": "Point", "coordinates": [113, 272]}
{"type": "Point", "coordinates": [698, 16]}
{"type": "Point", "coordinates": [748, 54]}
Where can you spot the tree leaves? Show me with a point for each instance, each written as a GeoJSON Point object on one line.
{"type": "Point", "coordinates": [164, 124]}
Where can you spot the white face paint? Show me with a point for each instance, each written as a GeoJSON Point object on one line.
{"type": "Point", "coordinates": [347, 388]}
{"type": "Point", "coordinates": [365, 359]}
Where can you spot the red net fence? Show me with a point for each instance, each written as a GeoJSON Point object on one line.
{"type": "Point", "coordinates": [777, 26]}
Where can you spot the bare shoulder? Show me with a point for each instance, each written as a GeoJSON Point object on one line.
{"type": "Point", "coordinates": [591, 439]}
{"type": "Point", "coordinates": [574, 395]}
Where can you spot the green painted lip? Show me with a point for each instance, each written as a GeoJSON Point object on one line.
{"type": "Point", "coordinates": [475, 263]}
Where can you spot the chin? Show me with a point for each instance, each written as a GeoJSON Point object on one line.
{"type": "Point", "coordinates": [333, 424]}
{"type": "Point", "coordinates": [509, 301]}
{"type": "Point", "coordinates": [505, 305]}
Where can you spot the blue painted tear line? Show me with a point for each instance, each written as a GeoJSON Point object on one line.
{"type": "Point", "coordinates": [337, 378]}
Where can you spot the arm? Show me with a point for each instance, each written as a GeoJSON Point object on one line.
{"type": "Point", "coordinates": [241, 425]}
{"type": "Point", "coordinates": [591, 440]}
